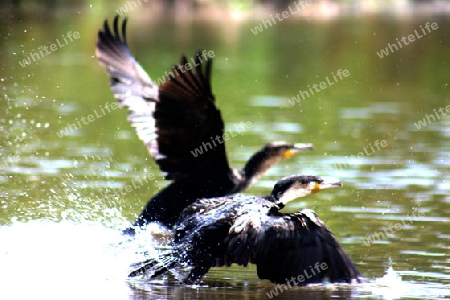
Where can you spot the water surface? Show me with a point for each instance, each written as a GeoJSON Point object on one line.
{"type": "Point", "coordinates": [61, 200]}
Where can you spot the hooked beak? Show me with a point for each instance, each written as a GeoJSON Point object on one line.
{"type": "Point", "coordinates": [297, 148]}
{"type": "Point", "coordinates": [327, 184]}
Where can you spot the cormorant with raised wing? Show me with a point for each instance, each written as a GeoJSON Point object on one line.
{"type": "Point", "coordinates": [173, 120]}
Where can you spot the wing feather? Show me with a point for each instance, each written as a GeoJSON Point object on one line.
{"type": "Point", "coordinates": [174, 119]}
{"type": "Point", "coordinates": [289, 245]}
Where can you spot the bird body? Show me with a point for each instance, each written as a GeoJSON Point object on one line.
{"type": "Point", "coordinates": [179, 116]}
{"type": "Point", "coordinates": [173, 120]}
{"type": "Point", "coordinates": [242, 230]}
{"type": "Point", "coordinates": [166, 206]}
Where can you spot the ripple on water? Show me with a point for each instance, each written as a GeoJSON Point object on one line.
{"type": "Point", "coordinates": [367, 112]}
{"type": "Point", "coordinates": [273, 127]}
{"type": "Point", "coordinates": [269, 101]}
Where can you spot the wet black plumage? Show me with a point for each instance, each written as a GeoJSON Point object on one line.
{"type": "Point", "coordinates": [248, 229]}
{"type": "Point", "coordinates": [173, 120]}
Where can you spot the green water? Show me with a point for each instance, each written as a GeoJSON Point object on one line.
{"type": "Point", "coordinates": [79, 177]}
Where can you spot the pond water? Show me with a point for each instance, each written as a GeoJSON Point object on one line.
{"type": "Point", "coordinates": [383, 130]}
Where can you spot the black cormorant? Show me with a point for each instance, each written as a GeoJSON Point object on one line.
{"type": "Point", "coordinates": [174, 119]}
{"type": "Point", "coordinates": [248, 229]}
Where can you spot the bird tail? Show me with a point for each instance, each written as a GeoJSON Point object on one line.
{"type": "Point", "coordinates": [155, 266]}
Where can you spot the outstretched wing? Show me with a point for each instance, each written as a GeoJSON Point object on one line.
{"type": "Point", "coordinates": [190, 126]}
{"type": "Point", "coordinates": [285, 246]}
{"type": "Point", "coordinates": [178, 121]}
{"type": "Point", "coordinates": [129, 82]}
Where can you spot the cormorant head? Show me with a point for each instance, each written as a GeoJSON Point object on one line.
{"type": "Point", "coordinates": [282, 150]}
{"type": "Point", "coordinates": [266, 157]}
{"type": "Point", "coordinates": [296, 186]}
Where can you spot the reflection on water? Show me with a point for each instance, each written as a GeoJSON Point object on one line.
{"type": "Point", "coordinates": [61, 209]}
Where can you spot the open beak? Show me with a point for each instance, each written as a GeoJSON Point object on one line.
{"type": "Point", "coordinates": [298, 148]}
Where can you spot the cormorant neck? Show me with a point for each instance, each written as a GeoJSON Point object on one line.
{"type": "Point", "coordinates": [283, 197]}
{"type": "Point", "coordinates": [276, 206]}
{"type": "Point", "coordinates": [256, 166]}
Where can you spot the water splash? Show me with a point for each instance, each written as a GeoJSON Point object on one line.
{"type": "Point", "coordinates": [392, 286]}
{"type": "Point", "coordinates": [65, 260]}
